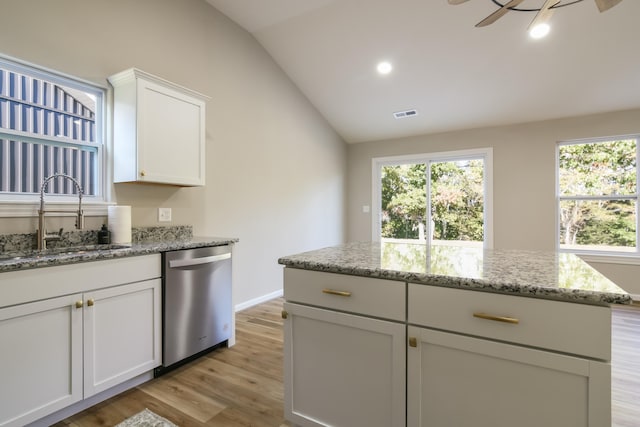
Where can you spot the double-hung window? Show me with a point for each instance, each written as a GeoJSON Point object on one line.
{"type": "Point", "coordinates": [49, 124]}
{"type": "Point", "coordinates": [597, 195]}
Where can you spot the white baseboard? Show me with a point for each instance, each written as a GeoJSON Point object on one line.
{"type": "Point", "coordinates": [258, 300]}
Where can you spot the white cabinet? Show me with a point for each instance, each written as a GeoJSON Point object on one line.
{"type": "Point", "coordinates": [342, 369]}
{"type": "Point", "coordinates": [456, 380]}
{"type": "Point", "coordinates": [158, 131]}
{"type": "Point", "coordinates": [92, 326]}
{"type": "Point", "coordinates": [370, 352]}
{"type": "Point", "coordinates": [121, 334]}
{"type": "Point", "coordinates": [40, 360]}
{"type": "Point", "coordinates": [461, 370]}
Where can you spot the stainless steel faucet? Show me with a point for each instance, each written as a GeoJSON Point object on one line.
{"type": "Point", "coordinates": [43, 237]}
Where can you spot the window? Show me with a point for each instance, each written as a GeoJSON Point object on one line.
{"type": "Point", "coordinates": [597, 188]}
{"type": "Point", "coordinates": [49, 123]}
{"type": "Point", "coordinates": [441, 197]}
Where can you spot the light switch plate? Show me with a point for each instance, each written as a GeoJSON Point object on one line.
{"type": "Point", "coordinates": [164, 214]}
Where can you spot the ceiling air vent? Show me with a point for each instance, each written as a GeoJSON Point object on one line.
{"type": "Point", "coordinates": [406, 113]}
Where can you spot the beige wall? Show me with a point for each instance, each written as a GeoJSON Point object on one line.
{"type": "Point", "coordinates": [275, 169]}
{"type": "Point", "coordinates": [524, 177]}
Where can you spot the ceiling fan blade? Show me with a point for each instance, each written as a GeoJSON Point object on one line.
{"type": "Point", "coordinates": [544, 14]}
{"type": "Point", "coordinates": [457, 1]}
{"type": "Point", "coordinates": [606, 4]}
{"type": "Point", "coordinates": [498, 13]}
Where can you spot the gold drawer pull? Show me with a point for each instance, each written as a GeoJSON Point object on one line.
{"type": "Point", "coordinates": [79, 304]}
{"type": "Point", "coordinates": [504, 319]}
{"type": "Point", "coordinates": [339, 293]}
{"type": "Point", "coordinates": [90, 302]}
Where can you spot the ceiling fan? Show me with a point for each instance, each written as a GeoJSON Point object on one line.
{"type": "Point", "coordinates": [543, 15]}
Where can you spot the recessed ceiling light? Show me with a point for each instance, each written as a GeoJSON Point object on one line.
{"type": "Point", "coordinates": [539, 31]}
{"type": "Point", "coordinates": [384, 67]}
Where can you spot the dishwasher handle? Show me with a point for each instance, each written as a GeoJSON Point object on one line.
{"type": "Point", "coordinates": [197, 261]}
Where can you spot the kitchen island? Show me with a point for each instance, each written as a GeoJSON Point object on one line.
{"type": "Point", "coordinates": [446, 335]}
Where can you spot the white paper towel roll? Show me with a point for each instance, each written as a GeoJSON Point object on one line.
{"type": "Point", "coordinates": [119, 220]}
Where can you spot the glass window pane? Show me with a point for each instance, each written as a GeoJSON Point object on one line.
{"type": "Point", "coordinates": [457, 200]}
{"type": "Point", "coordinates": [596, 169]}
{"type": "Point", "coordinates": [26, 164]}
{"type": "Point", "coordinates": [598, 224]}
{"type": "Point", "coordinates": [403, 201]}
{"type": "Point", "coordinates": [48, 124]}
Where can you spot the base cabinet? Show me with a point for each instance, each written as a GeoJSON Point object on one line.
{"type": "Point", "coordinates": [456, 380]}
{"type": "Point", "coordinates": [374, 352]}
{"type": "Point", "coordinates": [41, 359]}
{"type": "Point", "coordinates": [59, 350]}
{"type": "Point", "coordinates": [342, 369]}
{"type": "Point", "coordinates": [121, 334]}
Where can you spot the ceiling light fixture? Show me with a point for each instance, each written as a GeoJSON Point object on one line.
{"type": "Point", "coordinates": [384, 67]}
{"type": "Point", "coordinates": [539, 27]}
{"type": "Point", "coordinates": [539, 30]}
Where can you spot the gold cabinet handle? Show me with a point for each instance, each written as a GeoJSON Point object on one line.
{"type": "Point", "coordinates": [504, 319]}
{"type": "Point", "coordinates": [413, 342]}
{"type": "Point", "coordinates": [339, 293]}
{"type": "Point", "coordinates": [79, 304]}
{"type": "Point", "coordinates": [90, 302]}
{"type": "Point", "coordinates": [143, 173]}
{"type": "Point", "coordinates": [284, 314]}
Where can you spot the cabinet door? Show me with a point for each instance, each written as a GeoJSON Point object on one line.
{"type": "Point", "coordinates": [456, 380]}
{"type": "Point", "coordinates": [171, 133]}
{"type": "Point", "coordinates": [41, 359]}
{"type": "Point", "coordinates": [121, 334]}
{"type": "Point", "coordinates": [343, 370]}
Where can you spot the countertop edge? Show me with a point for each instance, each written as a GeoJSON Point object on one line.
{"type": "Point", "coordinates": [556, 294]}
{"type": "Point", "coordinates": [136, 249]}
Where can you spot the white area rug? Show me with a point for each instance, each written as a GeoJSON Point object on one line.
{"type": "Point", "coordinates": [146, 418]}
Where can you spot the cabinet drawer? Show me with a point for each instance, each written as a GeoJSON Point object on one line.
{"type": "Point", "coordinates": [565, 327]}
{"type": "Point", "coordinates": [17, 287]}
{"type": "Point", "coordinates": [361, 295]}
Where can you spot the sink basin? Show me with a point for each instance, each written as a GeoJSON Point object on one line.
{"type": "Point", "coordinates": [69, 250]}
{"type": "Point", "coordinates": [7, 257]}
{"type": "Point", "coordinates": [72, 250]}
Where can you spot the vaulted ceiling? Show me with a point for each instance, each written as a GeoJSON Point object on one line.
{"type": "Point", "coordinates": [455, 75]}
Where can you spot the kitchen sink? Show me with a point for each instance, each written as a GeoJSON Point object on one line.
{"type": "Point", "coordinates": [69, 250]}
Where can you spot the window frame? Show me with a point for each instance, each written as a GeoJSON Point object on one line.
{"type": "Point", "coordinates": [26, 205]}
{"type": "Point", "coordinates": [486, 154]}
{"type": "Point", "coordinates": [599, 255]}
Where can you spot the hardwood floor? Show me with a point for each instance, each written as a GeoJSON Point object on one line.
{"type": "Point", "coordinates": [237, 386]}
{"type": "Point", "coordinates": [242, 385]}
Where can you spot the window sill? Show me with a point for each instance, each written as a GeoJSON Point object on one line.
{"type": "Point", "coordinates": [631, 259]}
{"type": "Point", "coordinates": [30, 209]}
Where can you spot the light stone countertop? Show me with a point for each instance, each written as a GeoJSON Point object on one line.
{"type": "Point", "coordinates": [85, 253]}
{"type": "Point", "coordinates": [548, 275]}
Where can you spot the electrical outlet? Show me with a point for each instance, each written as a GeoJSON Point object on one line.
{"type": "Point", "coordinates": [164, 214]}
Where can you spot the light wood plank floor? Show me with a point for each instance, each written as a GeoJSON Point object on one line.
{"type": "Point", "coordinates": [242, 385]}
{"type": "Point", "coordinates": [237, 386]}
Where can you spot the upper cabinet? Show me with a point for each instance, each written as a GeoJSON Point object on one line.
{"type": "Point", "coordinates": [158, 131]}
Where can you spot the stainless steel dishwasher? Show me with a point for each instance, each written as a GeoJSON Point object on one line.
{"type": "Point", "coordinates": [197, 305]}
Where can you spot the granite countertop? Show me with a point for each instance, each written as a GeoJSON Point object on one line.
{"type": "Point", "coordinates": [12, 261]}
{"type": "Point", "coordinates": [548, 275]}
